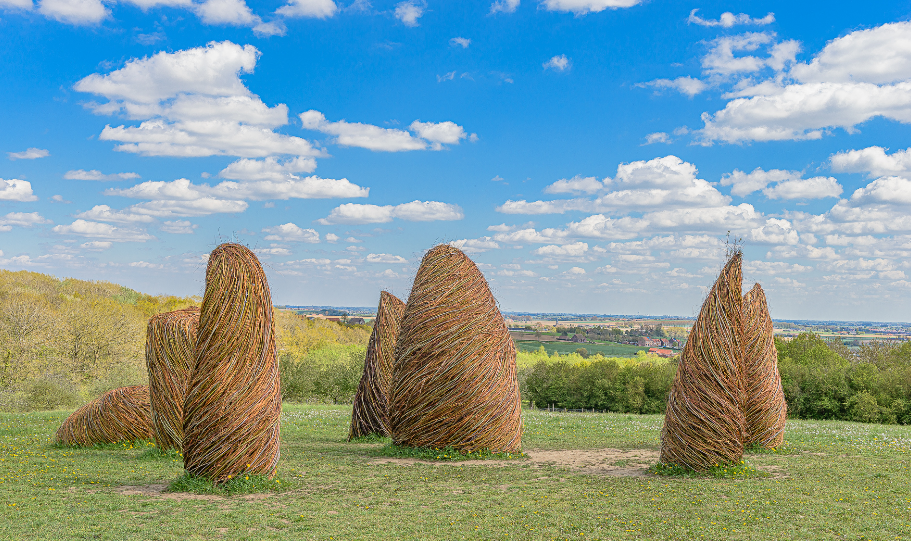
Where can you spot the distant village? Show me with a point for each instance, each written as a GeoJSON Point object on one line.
{"type": "Point", "coordinates": [659, 335]}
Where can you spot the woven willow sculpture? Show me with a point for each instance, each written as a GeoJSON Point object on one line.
{"type": "Point", "coordinates": [370, 414]}
{"type": "Point", "coordinates": [704, 423]}
{"type": "Point", "coordinates": [233, 404]}
{"type": "Point", "coordinates": [170, 356]}
{"type": "Point", "coordinates": [454, 381]}
{"type": "Point", "coordinates": [117, 415]}
{"type": "Point", "coordinates": [764, 407]}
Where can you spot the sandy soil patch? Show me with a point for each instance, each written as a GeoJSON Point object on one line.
{"type": "Point", "coordinates": [612, 462]}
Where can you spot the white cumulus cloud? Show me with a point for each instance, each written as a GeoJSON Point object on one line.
{"type": "Point", "coordinates": [386, 258]}
{"type": "Point", "coordinates": [178, 227]}
{"type": "Point", "coordinates": [409, 12]}
{"type": "Point", "coordinates": [21, 219]}
{"type": "Point", "coordinates": [319, 9]}
{"type": "Point", "coordinates": [581, 7]}
{"type": "Point", "coordinates": [292, 232]}
{"type": "Point", "coordinates": [75, 12]}
{"type": "Point", "coordinates": [356, 134]}
{"type": "Point", "coordinates": [728, 19]}
{"type": "Point", "coordinates": [104, 213]}
{"type": "Point", "coordinates": [574, 249]}
{"type": "Point", "coordinates": [460, 42]}
{"type": "Point", "coordinates": [854, 78]}
{"type": "Point", "coordinates": [504, 6]}
{"type": "Point", "coordinates": [29, 154]}
{"type": "Point", "coordinates": [415, 211]}
{"type": "Point", "coordinates": [192, 103]}
{"type": "Point", "coordinates": [685, 85]}
{"type": "Point", "coordinates": [226, 12]}
{"type": "Point", "coordinates": [874, 161]}
{"type": "Point", "coordinates": [808, 188]}
{"type": "Point", "coordinates": [558, 63]}
{"type": "Point", "coordinates": [15, 189]}
{"type": "Point", "coordinates": [94, 174]}
{"type": "Point", "coordinates": [102, 231]}
{"type": "Point", "coordinates": [475, 246]}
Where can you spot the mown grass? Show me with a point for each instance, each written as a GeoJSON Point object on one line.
{"type": "Point", "coordinates": [835, 480]}
{"type": "Point", "coordinates": [446, 453]}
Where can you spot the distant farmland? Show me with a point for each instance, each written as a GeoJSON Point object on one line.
{"type": "Point", "coordinates": [562, 347]}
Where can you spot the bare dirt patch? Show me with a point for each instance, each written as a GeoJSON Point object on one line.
{"type": "Point", "coordinates": [612, 462]}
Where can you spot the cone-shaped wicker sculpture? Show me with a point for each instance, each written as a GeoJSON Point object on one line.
{"type": "Point", "coordinates": [117, 415]}
{"type": "Point", "coordinates": [233, 403]}
{"type": "Point", "coordinates": [764, 407]}
{"type": "Point", "coordinates": [454, 381]}
{"type": "Point", "coordinates": [170, 355]}
{"type": "Point", "coordinates": [704, 423]}
{"type": "Point", "coordinates": [370, 414]}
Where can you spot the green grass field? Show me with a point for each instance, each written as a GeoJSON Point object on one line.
{"type": "Point", "coordinates": [608, 350]}
{"type": "Point", "coordinates": [585, 479]}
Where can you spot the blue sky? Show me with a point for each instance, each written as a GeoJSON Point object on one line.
{"type": "Point", "coordinates": [590, 155]}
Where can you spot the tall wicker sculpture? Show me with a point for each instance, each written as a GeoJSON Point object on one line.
{"type": "Point", "coordinates": [170, 356]}
{"type": "Point", "coordinates": [370, 414]}
{"type": "Point", "coordinates": [117, 415]}
{"type": "Point", "coordinates": [454, 380]}
{"type": "Point", "coordinates": [764, 408]}
{"type": "Point", "coordinates": [704, 422]}
{"type": "Point", "coordinates": [233, 403]}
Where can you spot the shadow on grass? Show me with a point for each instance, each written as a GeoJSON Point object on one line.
{"type": "Point", "coordinates": [443, 454]}
{"type": "Point", "coordinates": [371, 438]}
{"type": "Point", "coordinates": [117, 446]}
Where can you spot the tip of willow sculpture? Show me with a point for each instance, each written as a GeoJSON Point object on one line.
{"type": "Point", "coordinates": [454, 380]}
{"type": "Point", "coordinates": [765, 410]}
{"type": "Point", "coordinates": [370, 413]}
{"type": "Point", "coordinates": [704, 421]}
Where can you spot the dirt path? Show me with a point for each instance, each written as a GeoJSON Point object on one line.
{"type": "Point", "coordinates": [612, 462]}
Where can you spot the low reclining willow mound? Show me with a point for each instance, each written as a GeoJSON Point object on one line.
{"type": "Point", "coordinates": [233, 404]}
{"type": "Point", "coordinates": [170, 356]}
{"type": "Point", "coordinates": [117, 415]}
{"type": "Point", "coordinates": [764, 406]}
{"type": "Point", "coordinates": [370, 414]}
{"type": "Point", "coordinates": [704, 422]}
{"type": "Point", "coordinates": [454, 381]}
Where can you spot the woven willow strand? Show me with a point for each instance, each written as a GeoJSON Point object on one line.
{"type": "Point", "coordinates": [704, 423]}
{"type": "Point", "coordinates": [117, 415]}
{"type": "Point", "coordinates": [765, 410]}
{"type": "Point", "coordinates": [454, 380]}
{"type": "Point", "coordinates": [370, 414]}
{"type": "Point", "coordinates": [233, 403]}
{"type": "Point", "coordinates": [170, 356]}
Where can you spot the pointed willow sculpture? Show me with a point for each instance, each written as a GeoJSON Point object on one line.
{"type": "Point", "coordinates": [117, 415]}
{"type": "Point", "coordinates": [170, 356]}
{"type": "Point", "coordinates": [233, 403]}
{"type": "Point", "coordinates": [454, 381]}
{"type": "Point", "coordinates": [704, 423]}
{"type": "Point", "coordinates": [764, 409]}
{"type": "Point", "coordinates": [370, 414]}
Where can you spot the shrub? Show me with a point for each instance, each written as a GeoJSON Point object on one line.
{"type": "Point", "coordinates": [602, 384]}
{"type": "Point", "coordinates": [327, 374]}
{"type": "Point", "coordinates": [863, 408]}
{"type": "Point", "coordinates": [51, 393]}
